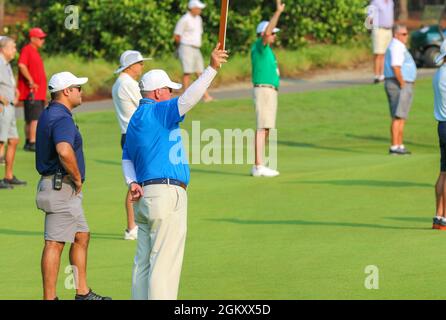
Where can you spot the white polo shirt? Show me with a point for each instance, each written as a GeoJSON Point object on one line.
{"type": "Point", "coordinates": [126, 97]}
{"type": "Point", "coordinates": [190, 29]}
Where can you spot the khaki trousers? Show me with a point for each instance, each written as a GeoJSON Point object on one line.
{"type": "Point", "coordinates": [161, 217]}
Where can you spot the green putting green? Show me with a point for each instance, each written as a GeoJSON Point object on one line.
{"type": "Point", "coordinates": [340, 204]}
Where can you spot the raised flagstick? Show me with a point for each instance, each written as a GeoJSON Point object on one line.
{"type": "Point", "coordinates": [223, 23]}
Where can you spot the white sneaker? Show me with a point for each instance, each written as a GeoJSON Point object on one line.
{"type": "Point", "coordinates": [262, 171]}
{"type": "Point", "coordinates": [132, 234]}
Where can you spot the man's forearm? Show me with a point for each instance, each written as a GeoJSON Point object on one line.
{"type": "Point", "coordinates": [69, 162]}
{"type": "Point", "coordinates": [195, 92]}
{"type": "Point", "coordinates": [399, 76]}
{"type": "Point", "coordinates": [25, 72]}
{"type": "Point", "coordinates": [128, 169]}
{"type": "Point", "coordinates": [273, 23]}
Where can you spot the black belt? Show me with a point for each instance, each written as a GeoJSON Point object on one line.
{"type": "Point", "coordinates": [395, 79]}
{"type": "Point", "coordinates": [164, 181]}
{"type": "Point", "coordinates": [265, 86]}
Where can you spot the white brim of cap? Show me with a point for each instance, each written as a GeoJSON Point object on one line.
{"type": "Point", "coordinates": [120, 69]}
{"type": "Point", "coordinates": [174, 85]}
{"type": "Point", "coordinates": [440, 58]}
{"type": "Point", "coordinates": [78, 82]}
{"type": "Point", "coordinates": [199, 6]}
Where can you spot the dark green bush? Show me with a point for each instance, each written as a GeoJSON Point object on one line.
{"type": "Point", "coordinates": [107, 27]}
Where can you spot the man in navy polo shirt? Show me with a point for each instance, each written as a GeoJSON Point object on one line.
{"type": "Point", "coordinates": [60, 162]}
{"type": "Point", "coordinates": [157, 173]}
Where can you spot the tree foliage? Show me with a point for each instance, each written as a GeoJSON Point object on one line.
{"type": "Point", "coordinates": [108, 27]}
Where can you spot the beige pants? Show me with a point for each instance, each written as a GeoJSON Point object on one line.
{"type": "Point", "coordinates": [161, 217]}
{"type": "Point", "coordinates": [265, 101]}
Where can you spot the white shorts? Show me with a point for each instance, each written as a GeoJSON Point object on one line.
{"type": "Point", "coordinates": [381, 39]}
{"type": "Point", "coordinates": [265, 101]}
{"type": "Point", "coordinates": [191, 59]}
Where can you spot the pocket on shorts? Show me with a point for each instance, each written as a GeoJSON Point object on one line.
{"type": "Point", "coordinates": [53, 201]}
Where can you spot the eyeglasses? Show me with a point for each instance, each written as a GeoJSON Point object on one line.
{"type": "Point", "coordinates": [404, 34]}
{"type": "Point", "coordinates": [170, 89]}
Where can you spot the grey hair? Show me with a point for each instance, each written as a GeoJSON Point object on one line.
{"type": "Point", "coordinates": [4, 41]}
{"type": "Point", "coordinates": [397, 27]}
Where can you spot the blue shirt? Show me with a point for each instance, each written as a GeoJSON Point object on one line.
{"type": "Point", "coordinates": [439, 83]}
{"type": "Point", "coordinates": [154, 144]}
{"type": "Point", "coordinates": [397, 55]}
{"type": "Point", "coordinates": [56, 125]}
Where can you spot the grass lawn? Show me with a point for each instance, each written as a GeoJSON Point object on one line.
{"type": "Point", "coordinates": [340, 204]}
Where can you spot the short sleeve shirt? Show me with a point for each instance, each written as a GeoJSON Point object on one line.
{"type": "Point", "coordinates": [126, 96]}
{"type": "Point", "coordinates": [154, 142]}
{"type": "Point", "coordinates": [56, 125]}
{"type": "Point", "coordinates": [190, 29]}
{"type": "Point", "coordinates": [397, 55]}
{"type": "Point", "coordinates": [30, 57]}
{"type": "Point", "coordinates": [7, 81]}
{"type": "Point", "coordinates": [265, 69]}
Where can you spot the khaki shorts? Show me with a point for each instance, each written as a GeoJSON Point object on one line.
{"type": "Point", "coordinates": [265, 101]}
{"type": "Point", "coordinates": [8, 126]}
{"type": "Point", "coordinates": [381, 39]}
{"type": "Point", "coordinates": [64, 213]}
{"type": "Point", "coordinates": [191, 59]}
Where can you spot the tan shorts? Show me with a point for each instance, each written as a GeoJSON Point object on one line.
{"type": "Point", "coordinates": [381, 39]}
{"type": "Point", "coordinates": [191, 59]}
{"type": "Point", "coordinates": [64, 213]}
{"type": "Point", "coordinates": [265, 100]}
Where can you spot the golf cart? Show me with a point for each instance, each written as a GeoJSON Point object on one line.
{"type": "Point", "coordinates": [425, 43]}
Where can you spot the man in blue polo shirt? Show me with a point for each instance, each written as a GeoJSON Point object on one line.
{"type": "Point", "coordinates": [60, 162]}
{"type": "Point", "coordinates": [157, 173]}
{"type": "Point", "coordinates": [400, 73]}
{"type": "Point", "coordinates": [439, 84]}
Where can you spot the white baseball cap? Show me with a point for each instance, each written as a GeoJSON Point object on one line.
{"type": "Point", "coordinates": [128, 58]}
{"type": "Point", "coordinates": [440, 58]}
{"type": "Point", "coordinates": [157, 79]}
{"type": "Point", "coordinates": [196, 4]}
{"type": "Point", "coordinates": [63, 80]}
{"type": "Point", "coordinates": [261, 27]}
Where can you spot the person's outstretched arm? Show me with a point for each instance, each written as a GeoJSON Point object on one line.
{"type": "Point", "coordinates": [195, 92]}
{"type": "Point", "coordinates": [274, 20]}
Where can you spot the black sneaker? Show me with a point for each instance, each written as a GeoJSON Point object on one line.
{"type": "Point", "coordinates": [14, 181]}
{"type": "Point", "coordinates": [91, 296]}
{"type": "Point", "coordinates": [376, 80]}
{"type": "Point", "coordinates": [4, 185]}
{"type": "Point", "coordinates": [32, 147]}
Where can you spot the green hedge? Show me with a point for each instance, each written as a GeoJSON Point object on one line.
{"type": "Point", "coordinates": [107, 27]}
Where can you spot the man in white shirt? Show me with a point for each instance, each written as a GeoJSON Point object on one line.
{"type": "Point", "coordinates": [187, 34]}
{"type": "Point", "coordinates": [126, 96]}
{"type": "Point", "coordinates": [400, 73]}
